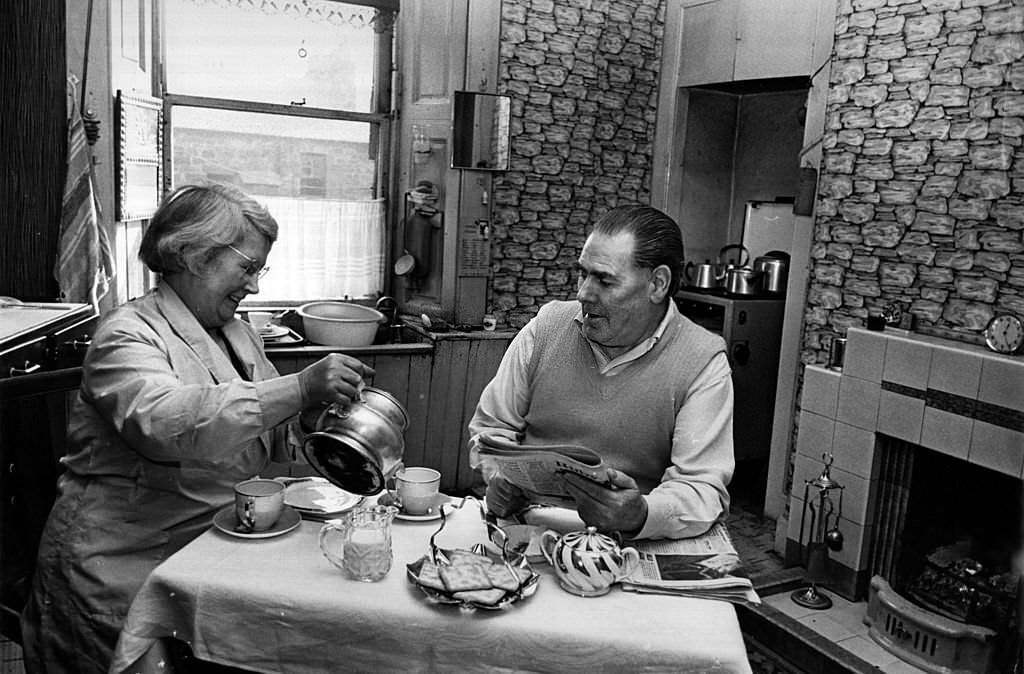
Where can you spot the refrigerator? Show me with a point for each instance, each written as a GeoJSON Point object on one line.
{"type": "Point", "coordinates": [768, 225]}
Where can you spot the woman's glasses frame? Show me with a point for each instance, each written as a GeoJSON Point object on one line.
{"type": "Point", "coordinates": [253, 268]}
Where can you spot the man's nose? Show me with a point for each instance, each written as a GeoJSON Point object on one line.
{"type": "Point", "coordinates": [252, 284]}
{"type": "Point", "coordinates": [584, 290]}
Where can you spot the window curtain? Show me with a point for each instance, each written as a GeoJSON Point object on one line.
{"type": "Point", "coordinates": [325, 249]}
{"type": "Point", "coordinates": [380, 14]}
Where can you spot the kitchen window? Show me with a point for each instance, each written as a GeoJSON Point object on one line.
{"type": "Point", "coordinates": [288, 100]}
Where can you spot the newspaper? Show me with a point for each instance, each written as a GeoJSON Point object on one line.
{"type": "Point", "coordinates": [706, 566]}
{"type": "Point", "coordinates": [537, 469]}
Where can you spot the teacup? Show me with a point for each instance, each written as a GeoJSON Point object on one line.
{"type": "Point", "coordinates": [259, 503]}
{"type": "Point", "coordinates": [416, 490]}
{"type": "Point", "coordinates": [260, 320]}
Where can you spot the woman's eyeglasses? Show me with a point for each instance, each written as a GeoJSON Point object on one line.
{"type": "Point", "coordinates": [253, 268]}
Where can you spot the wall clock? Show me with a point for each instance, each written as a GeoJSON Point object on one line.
{"type": "Point", "coordinates": [1004, 333]}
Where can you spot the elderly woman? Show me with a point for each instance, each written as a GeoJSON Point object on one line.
{"type": "Point", "coordinates": [178, 403]}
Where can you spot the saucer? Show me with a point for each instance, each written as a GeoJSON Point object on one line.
{"type": "Point", "coordinates": [225, 520]}
{"type": "Point", "coordinates": [273, 331]}
{"type": "Point", "coordinates": [434, 514]}
{"type": "Point", "coordinates": [317, 496]}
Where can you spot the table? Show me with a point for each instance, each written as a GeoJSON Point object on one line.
{"type": "Point", "coordinates": [278, 605]}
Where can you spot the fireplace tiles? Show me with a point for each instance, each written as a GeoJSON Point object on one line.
{"type": "Point", "coordinates": [954, 398]}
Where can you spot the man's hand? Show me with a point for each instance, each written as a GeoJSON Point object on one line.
{"type": "Point", "coordinates": [504, 499]}
{"type": "Point", "coordinates": [619, 507]}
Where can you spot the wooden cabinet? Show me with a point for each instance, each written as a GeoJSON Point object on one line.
{"type": "Point", "coordinates": [709, 42]}
{"type": "Point", "coordinates": [728, 40]}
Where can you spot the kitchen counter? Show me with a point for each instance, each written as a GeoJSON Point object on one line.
{"type": "Point", "coordinates": [413, 338]}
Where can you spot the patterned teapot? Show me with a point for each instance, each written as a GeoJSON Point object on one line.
{"type": "Point", "coordinates": [587, 563]}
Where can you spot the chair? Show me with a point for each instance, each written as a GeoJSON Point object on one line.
{"type": "Point", "coordinates": [33, 422]}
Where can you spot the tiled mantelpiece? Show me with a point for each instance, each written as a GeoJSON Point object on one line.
{"type": "Point", "coordinates": [957, 399]}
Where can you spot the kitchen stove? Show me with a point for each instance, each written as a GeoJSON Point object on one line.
{"type": "Point", "coordinates": [752, 329]}
{"type": "Point", "coordinates": [40, 337]}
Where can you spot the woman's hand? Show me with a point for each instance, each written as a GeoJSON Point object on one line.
{"type": "Point", "coordinates": [335, 378]}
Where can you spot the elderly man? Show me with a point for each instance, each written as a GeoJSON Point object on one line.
{"type": "Point", "coordinates": [625, 374]}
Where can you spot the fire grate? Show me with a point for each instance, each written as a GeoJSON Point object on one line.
{"type": "Point", "coordinates": [925, 639]}
{"type": "Point", "coordinates": [963, 591]}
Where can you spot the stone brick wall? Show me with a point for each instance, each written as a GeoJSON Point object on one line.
{"type": "Point", "coordinates": [921, 190]}
{"type": "Point", "coordinates": [583, 76]}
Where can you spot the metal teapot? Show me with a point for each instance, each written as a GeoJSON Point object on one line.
{"type": "Point", "coordinates": [357, 446]}
{"type": "Point", "coordinates": [587, 563]}
{"type": "Point", "coordinates": [774, 265]}
{"type": "Point", "coordinates": [743, 281]}
{"type": "Point", "coordinates": [704, 276]}
{"type": "Point", "coordinates": [727, 261]}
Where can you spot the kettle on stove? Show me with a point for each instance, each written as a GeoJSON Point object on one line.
{"type": "Point", "coordinates": [774, 268]}
{"type": "Point", "coordinates": [704, 276]}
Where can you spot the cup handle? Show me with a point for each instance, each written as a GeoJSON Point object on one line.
{"type": "Point", "coordinates": [321, 540]}
{"type": "Point", "coordinates": [391, 484]}
{"type": "Point", "coordinates": [547, 545]}
{"type": "Point", "coordinates": [630, 560]}
{"type": "Point", "coordinates": [249, 513]}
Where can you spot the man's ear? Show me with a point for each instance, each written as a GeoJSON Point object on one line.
{"type": "Point", "coordinates": [661, 279]}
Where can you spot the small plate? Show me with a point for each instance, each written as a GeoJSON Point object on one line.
{"type": "Point", "coordinates": [273, 331]}
{"type": "Point", "coordinates": [225, 520]}
{"type": "Point", "coordinates": [317, 496]}
{"type": "Point", "coordinates": [434, 514]}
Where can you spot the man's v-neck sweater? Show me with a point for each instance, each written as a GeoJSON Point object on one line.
{"type": "Point", "coordinates": [627, 415]}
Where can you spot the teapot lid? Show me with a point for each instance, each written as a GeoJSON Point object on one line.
{"type": "Point", "coordinates": [590, 540]}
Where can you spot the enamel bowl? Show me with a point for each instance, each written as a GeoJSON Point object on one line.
{"type": "Point", "coordinates": [332, 323]}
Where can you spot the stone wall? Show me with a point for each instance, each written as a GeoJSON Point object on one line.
{"type": "Point", "coordinates": [583, 76]}
{"type": "Point", "coordinates": [922, 178]}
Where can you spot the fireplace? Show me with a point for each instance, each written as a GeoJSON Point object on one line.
{"type": "Point", "coordinates": [945, 538]}
{"type": "Point", "coordinates": [927, 437]}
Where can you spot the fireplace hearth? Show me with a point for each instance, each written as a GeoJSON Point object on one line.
{"type": "Point", "coordinates": [946, 533]}
{"type": "Point", "coordinates": [944, 591]}
{"type": "Point", "coordinates": [927, 436]}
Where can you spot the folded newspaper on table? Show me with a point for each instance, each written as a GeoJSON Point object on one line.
{"type": "Point", "coordinates": [705, 566]}
{"type": "Point", "coordinates": [537, 469]}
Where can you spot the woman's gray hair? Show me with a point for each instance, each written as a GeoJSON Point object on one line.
{"type": "Point", "coordinates": [195, 221]}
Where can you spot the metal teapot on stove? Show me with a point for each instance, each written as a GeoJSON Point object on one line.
{"type": "Point", "coordinates": [705, 275]}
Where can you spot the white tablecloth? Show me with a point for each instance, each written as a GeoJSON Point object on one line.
{"type": "Point", "coordinates": [278, 605]}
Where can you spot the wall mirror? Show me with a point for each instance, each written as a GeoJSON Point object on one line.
{"type": "Point", "coordinates": [480, 131]}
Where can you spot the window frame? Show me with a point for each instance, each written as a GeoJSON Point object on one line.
{"type": "Point", "coordinates": [382, 120]}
